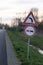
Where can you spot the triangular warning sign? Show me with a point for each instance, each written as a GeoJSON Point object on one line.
{"type": "Point", "coordinates": [30, 19]}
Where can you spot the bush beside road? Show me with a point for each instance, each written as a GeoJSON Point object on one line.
{"type": "Point", "coordinates": [19, 42]}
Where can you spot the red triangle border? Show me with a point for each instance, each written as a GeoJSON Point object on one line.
{"type": "Point", "coordinates": [27, 17]}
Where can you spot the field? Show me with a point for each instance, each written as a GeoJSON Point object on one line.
{"type": "Point", "coordinates": [19, 41]}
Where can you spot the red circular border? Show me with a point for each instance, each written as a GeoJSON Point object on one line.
{"type": "Point", "coordinates": [33, 33]}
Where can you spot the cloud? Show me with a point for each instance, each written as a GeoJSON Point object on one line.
{"type": "Point", "coordinates": [27, 1]}
{"type": "Point", "coordinates": [10, 7]}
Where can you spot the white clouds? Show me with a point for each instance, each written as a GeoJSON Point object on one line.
{"type": "Point", "coordinates": [27, 1]}
{"type": "Point", "coordinates": [17, 3]}
{"type": "Point", "coordinates": [8, 8]}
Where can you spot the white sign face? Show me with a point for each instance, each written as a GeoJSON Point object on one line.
{"type": "Point", "coordinates": [30, 30]}
{"type": "Point", "coordinates": [30, 19]}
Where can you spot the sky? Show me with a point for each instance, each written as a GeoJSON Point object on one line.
{"type": "Point", "coordinates": [11, 7]}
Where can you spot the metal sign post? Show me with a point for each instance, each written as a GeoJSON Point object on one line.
{"type": "Point", "coordinates": [30, 29]}
{"type": "Point", "coordinates": [28, 48]}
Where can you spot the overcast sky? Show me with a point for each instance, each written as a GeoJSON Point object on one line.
{"type": "Point", "coordinates": [8, 8]}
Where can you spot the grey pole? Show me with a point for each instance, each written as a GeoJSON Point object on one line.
{"type": "Point", "coordinates": [28, 48]}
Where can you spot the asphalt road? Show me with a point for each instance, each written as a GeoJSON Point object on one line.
{"type": "Point", "coordinates": [3, 53]}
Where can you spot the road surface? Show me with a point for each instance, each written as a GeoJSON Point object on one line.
{"type": "Point", "coordinates": [3, 54]}
{"type": "Point", "coordinates": [7, 53]}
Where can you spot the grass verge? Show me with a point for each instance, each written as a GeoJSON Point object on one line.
{"type": "Point", "coordinates": [20, 45]}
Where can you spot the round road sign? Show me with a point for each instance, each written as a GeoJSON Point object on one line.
{"type": "Point", "coordinates": [30, 30]}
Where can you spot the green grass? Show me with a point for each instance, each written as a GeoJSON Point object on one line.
{"type": "Point", "coordinates": [37, 41]}
{"type": "Point", "coordinates": [19, 42]}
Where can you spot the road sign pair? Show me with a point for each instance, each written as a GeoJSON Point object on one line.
{"type": "Point", "coordinates": [30, 19]}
